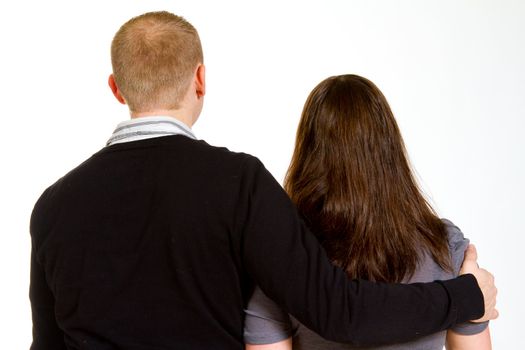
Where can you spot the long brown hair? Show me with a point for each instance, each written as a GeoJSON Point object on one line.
{"type": "Point", "coordinates": [351, 180]}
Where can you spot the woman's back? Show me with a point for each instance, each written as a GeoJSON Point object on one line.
{"type": "Point", "coordinates": [427, 271]}
{"type": "Point", "coordinates": [266, 323]}
{"type": "Point", "coordinates": [351, 181]}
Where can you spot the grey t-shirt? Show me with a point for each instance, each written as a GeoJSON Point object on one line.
{"type": "Point", "coordinates": [266, 322]}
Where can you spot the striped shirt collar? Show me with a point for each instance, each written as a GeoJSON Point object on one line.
{"type": "Point", "coordinates": [148, 127]}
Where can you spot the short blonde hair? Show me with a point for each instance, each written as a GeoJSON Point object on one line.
{"type": "Point", "coordinates": [154, 57]}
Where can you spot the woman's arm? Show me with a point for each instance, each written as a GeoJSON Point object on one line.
{"type": "Point", "coordinates": [456, 341]}
{"type": "Point", "coordinates": [282, 345]}
{"type": "Point", "coordinates": [266, 325]}
{"type": "Point", "coordinates": [466, 336]}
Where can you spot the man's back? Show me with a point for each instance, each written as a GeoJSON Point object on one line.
{"type": "Point", "coordinates": [156, 244]}
{"type": "Point", "coordinates": [139, 246]}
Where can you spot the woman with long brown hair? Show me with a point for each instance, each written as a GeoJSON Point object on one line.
{"type": "Point", "coordinates": [351, 181]}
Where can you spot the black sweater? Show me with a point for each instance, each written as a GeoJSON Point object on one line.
{"type": "Point", "coordinates": [157, 244]}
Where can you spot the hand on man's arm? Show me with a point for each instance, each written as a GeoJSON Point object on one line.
{"type": "Point", "coordinates": [485, 281]}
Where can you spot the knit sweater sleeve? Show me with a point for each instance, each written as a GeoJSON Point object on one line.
{"type": "Point", "coordinates": [46, 333]}
{"type": "Point", "coordinates": [289, 265]}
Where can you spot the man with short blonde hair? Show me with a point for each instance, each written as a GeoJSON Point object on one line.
{"type": "Point", "coordinates": [154, 57]}
{"type": "Point", "coordinates": [158, 239]}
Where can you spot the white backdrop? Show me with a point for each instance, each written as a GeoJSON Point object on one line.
{"type": "Point", "coordinates": [453, 71]}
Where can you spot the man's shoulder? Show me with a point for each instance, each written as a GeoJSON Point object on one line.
{"type": "Point", "coordinates": [221, 151]}
{"type": "Point", "coordinates": [218, 157]}
{"type": "Point", "coordinates": [197, 153]}
{"type": "Point", "coordinates": [179, 150]}
{"type": "Point", "coordinates": [47, 202]}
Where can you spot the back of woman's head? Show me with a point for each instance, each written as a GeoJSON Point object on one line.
{"type": "Point", "coordinates": [351, 180]}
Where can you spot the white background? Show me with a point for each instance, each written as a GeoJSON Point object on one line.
{"type": "Point", "coordinates": [453, 71]}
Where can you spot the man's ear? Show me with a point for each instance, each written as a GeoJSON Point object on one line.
{"type": "Point", "coordinates": [200, 81]}
{"type": "Point", "coordinates": [115, 90]}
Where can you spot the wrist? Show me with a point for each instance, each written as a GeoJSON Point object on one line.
{"type": "Point", "coordinates": [466, 298]}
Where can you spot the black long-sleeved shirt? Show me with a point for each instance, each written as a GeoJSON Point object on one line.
{"type": "Point", "coordinates": [157, 244]}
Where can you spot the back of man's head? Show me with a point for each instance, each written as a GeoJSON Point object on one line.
{"type": "Point", "coordinates": [154, 57]}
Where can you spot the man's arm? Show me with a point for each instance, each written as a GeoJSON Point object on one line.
{"type": "Point", "coordinates": [289, 265]}
{"type": "Point", "coordinates": [485, 282]}
{"type": "Point", "coordinates": [46, 333]}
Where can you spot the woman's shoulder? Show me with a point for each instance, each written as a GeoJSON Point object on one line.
{"type": "Point", "coordinates": [457, 244]}
{"type": "Point", "coordinates": [429, 270]}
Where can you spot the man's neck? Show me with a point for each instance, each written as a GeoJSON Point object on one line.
{"type": "Point", "coordinates": [182, 116]}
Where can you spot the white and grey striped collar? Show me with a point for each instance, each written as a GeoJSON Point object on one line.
{"type": "Point", "coordinates": [148, 127]}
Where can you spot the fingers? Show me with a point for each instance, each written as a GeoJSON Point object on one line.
{"type": "Point", "coordinates": [485, 281]}
{"type": "Point", "coordinates": [471, 254]}
{"type": "Point", "coordinates": [488, 316]}
{"type": "Point", "coordinates": [470, 264]}
{"type": "Point", "coordinates": [488, 288]}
